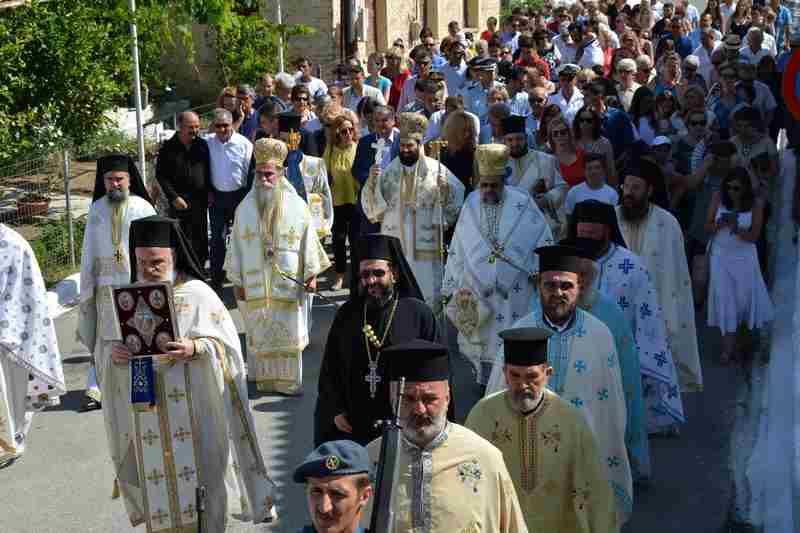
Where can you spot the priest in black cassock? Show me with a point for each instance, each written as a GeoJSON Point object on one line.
{"type": "Point", "coordinates": [387, 309]}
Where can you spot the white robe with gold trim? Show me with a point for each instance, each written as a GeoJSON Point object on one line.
{"type": "Point", "coordinates": [492, 283]}
{"type": "Point", "coordinates": [459, 483]}
{"type": "Point", "coordinates": [100, 269]}
{"type": "Point", "coordinates": [658, 241]}
{"type": "Point", "coordinates": [264, 249]}
{"type": "Point", "coordinates": [318, 193]}
{"type": "Point", "coordinates": [413, 208]}
{"type": "Point", "coordinates": [201, 431]}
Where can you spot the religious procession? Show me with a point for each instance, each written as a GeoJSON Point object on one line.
{"type": "Point", "coordinates": [474, 280]}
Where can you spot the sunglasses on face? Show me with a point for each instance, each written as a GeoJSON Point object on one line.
{"type": "Point", "coordinates": [372, 273]}
{"type": "Point", "coordinates": [345, 131]}
{"type": "Point", "coordinates": [560, 133]}
{"type": "Point", "coordinates": [301, 99]}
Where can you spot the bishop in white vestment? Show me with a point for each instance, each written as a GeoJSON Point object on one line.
{"type": "Point", "coordinates": [31, 375]}
{"type": "Point", "coordinates": [491, 266]}
{"type": "Point", "coordinates": [623, 276]}
{"type": "Point", "coordinates": [415, 199]}
{"type": "Point", "coordinates": [655, 236]}
{"type": "Point", "coordinates": [273, 260]}
{"type": "Point", "coordinates": [119, 198]}
{"type": "Point", "coordinates": [200, 431]}
{"type": "Point", "coordinates": [536, 173]}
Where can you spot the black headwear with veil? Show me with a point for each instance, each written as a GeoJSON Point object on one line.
{"type": "Point", "coordinates": [597, 212]}
{"type": "Point", "coordinates": [163, 232]}
{"type": "Point", "coordinates": [387, 248]}
{"type": "Point", "coordinates": [119, 163]}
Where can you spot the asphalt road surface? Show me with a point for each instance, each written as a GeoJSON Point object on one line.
{"type": "Point", "coordinates": [63, 483]}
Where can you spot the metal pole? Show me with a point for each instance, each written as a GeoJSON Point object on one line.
{"type": "Point", "coordinates": [279, 20]}
{"type": "Point", "coordinates": [68, 207]}
{"type": "Point", "coordinates": [137, 90]}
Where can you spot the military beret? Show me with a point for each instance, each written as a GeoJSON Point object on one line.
{"type": "Point", "coordinates": [334, 458]}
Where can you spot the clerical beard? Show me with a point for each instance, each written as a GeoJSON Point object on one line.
{"type": "Point", "coordinates": [408, 159]}
{"type": "Point", "coordinates": [634, 209]}
{"type": "Point", "coordinates": [526, 401]}
{"type": "Point", "coordinates": [421, 430]}
{"type": "Point", "coordinates": [117, 196]}
{"type": "Point", "coordinates": [377, 295]}
{"type": "Point", "coordinates": [518, 151]}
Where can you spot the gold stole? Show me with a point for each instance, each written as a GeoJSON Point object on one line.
{"type": "Point", "coordinates": [166, 448]}
{"type": "Point", "coordinates": [409, 198]}
{"type": "Point", "coordinates": [118, 212]}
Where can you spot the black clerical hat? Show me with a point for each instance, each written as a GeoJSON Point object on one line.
{"type": "Point", "coordinates": [417, 360]}
{"type": "Point", "coordinates": [162, 232]}
{"type": "Point", "coordinates": [387, 248]}
{"type": "Point", "coordinates": [597, 212]}
{"type": "Point", "coordinates": [526, 346]}
{"type": "Point", "coordinates": [645, 168]}
{"type": "Point", "coordinates": [559, 258]}
{"type": "Point", "coordinates": [289, 121]}
{"type": "Point", "coordinates": [118, 163]}
{"type": "Point", "coordinates": [513, 124]}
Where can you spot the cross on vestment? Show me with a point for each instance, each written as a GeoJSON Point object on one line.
{"type": "Point", "coordinates": [118, 256]}
{"type": "Point", "coordinates": [373, 378]}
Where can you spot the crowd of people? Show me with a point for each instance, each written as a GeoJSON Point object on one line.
{"type": "Point", "coordinates": [565, 193]}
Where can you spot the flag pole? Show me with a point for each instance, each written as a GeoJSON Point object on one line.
{"type": "Point", "coordinates": [137, 90]}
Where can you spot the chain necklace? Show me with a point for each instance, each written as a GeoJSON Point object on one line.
{"type": "Point", "coordinates": [370, 338]}
{"type": "Point", "coordinates": [117, 215]}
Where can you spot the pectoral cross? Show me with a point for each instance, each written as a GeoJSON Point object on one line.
{"type": "Point", "coordinates": [373, 379]}
{"type": "Point", "coordinates": [118, 256]}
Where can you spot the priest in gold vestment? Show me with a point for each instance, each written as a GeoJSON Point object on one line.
{"type": "Point", "coordinates": [200, 430]}
{"type": "Point", "coordinates": [273, 259]}
{"type": "Point", "coordinates": [450, 480]}
{"type": "Point", "coordinates": [549, 448]}
{"type": "Point", "coordinates": [415, 199]}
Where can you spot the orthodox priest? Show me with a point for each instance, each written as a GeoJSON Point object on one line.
{"type": "Point", "coordinates": [655, 236]}
{"type": "Point", "coordinates": [585, 364]}
{"type": "Point", "coordinates": [552, 455]}
{"type": "Point", "coordinates": [387, 310]}
{"type": "Point", "coordinates": [31, 375]}
{"type": "Point", "coordinates": [273, 260]}
{"type": "Point", "coordinates": [535, 172]}
{"type": "Point", "coordinates": [450, 479]}
{"type": "Point", "coordinates": [415, 199]}
{"type": "Point", "coordinates": [119, 198]}
{"type": "Point", "coordinates": [491, 269]}
{"type": "Point", "coordinates": [200, 431]}
{"type": "Point", "coordinates": [624, 278]}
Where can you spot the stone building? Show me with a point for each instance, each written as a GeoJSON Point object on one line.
{"type": "Point", "coordinates": [373, 24]}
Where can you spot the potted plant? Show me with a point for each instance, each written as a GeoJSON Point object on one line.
{"type": "Point", "coordinates": [32, 205]}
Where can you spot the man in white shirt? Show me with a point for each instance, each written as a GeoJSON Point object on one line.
{"type": "Point", "coordinates": [232, 172]}
{"type": "Point", "coordinates": [764, 101]}
{"type": "Point", "coordinates": [595, 186]}
{"type": "Point", "coordinates": [754, 51]}
{"type": "Point", "coordinates": [588, 53]}
{"type": "Point", "coordinates": [359, 90]}
{"type": "Point", "coordinates": [455, 70]}
{"type": "Point", "coordinates": [708, 43]}
{"type": "Point", "coordinates": [568, 98]}
{"type": "Point", "coordinates": [565, 45]}
{"type": "Point", "coordinates": [726, 10]}
{"type": "Point", "coordinates": [314, 85]}
{"type": "Point", "coordinates": [696, 34]}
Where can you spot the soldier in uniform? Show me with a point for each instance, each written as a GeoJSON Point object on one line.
{"type": "Point", "coordinates": [338, 487]}
{"type": "Point", "coordinates": [476, 94]}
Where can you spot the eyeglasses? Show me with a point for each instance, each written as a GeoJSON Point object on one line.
{"type": "Point", "coordinates": [560, 132]}
{"type": "Point", "coordinates": [372, 273]}
{"type": "Point", "coordinates": [345, 131]}
{"type": "Point", "coordinates": [300, 99]}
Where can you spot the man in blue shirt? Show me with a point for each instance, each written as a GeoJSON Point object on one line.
{"type": "Point", "coordinates": [338, 487]}
{"type": "Point", "coordinates": [615, 124]}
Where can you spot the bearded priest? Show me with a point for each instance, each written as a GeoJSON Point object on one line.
{"type": "Point", "coordinates": [655, 236]}
{"type": "Point", "coordinates": [449, 478]}
{"type": "Point", "coordinates": [273, 260]}
{"type": "Point", "coordinates": [200, 431]}
{"type": "Point", "coordinates": [552, 454]}
{"type": "Point", "coordinates": [415, 199]}
{"type": "Point", "coordinates": [120, 197]}
{"type": "Point", "coordinates": [491, 267]}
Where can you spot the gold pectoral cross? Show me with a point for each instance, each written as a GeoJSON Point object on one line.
{"type": "Point", "coordinates": [118, 256]}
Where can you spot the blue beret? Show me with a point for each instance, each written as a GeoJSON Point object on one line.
{"type": "Point", "coordinates": [334, 458]}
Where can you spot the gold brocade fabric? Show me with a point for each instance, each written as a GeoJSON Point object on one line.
{"type": "Point", "coordinates": [117, 215]}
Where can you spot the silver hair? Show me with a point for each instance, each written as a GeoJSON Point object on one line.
{"type": "Point", "coordinates": [222, 114]}
{"type": "Point", "coordinates": [644, 61]}
{"type": "Point", "coordinates": [285, 80]}
{"type": "Point", "coordinates": [247, 90]}
{"type": "Point", "coordinates": [382, 110]}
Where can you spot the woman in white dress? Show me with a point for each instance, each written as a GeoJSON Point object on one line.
{"type": "Point", "coordinates": [737, 293]}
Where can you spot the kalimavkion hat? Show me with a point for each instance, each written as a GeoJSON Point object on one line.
{"type": "Point", "coordinates": [526, 346]}
{"type": "Point", "coordinates": [417, 361]}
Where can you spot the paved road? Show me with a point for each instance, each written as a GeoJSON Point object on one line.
{"type": "Point", "coordinates": [63, 484]}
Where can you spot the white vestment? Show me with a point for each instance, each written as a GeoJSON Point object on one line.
{"type": "Point", "coordinates": [658, 241]}
{"type": "Point", "coordinates": [105, 261]}
{"type": "Point", "coordinates": [525, 173]}
{"type": "Point", "coordinates": [318, 193]}
{"type": "Point", "coordinates": [270, 244]}
{"type": "Point", "coordinates": [31, 375]}
{"type": "Point", "coordinates": [586, 373]}
{"type": "Point", "coordinates": [490, 272]}
{"type": "Point", "coordinates": [413, 206]}
{"type": "Point", "coordinates": [624, 278]}
{"type": "Point", "coordinates": [200, 431]}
